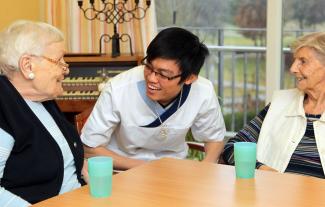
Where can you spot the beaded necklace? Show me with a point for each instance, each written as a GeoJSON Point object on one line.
{"type": "Point", "coordinates": [163, 127]}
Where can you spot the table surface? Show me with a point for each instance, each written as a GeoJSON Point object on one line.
{"type": "Point", "coordinates": [171, 182]}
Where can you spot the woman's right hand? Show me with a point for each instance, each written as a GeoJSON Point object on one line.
{"type": "Point", "coordinates": [265, 167]}
{"type": "Point", "coordinates": [84, 171]}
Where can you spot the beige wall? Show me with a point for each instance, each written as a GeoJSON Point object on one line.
{"type": "Point", "coordinates": [11, 10]}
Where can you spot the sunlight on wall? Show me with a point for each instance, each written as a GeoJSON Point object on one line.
{"type": "Point", "coordinates": [19, 9]}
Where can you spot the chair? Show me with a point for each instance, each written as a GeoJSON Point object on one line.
{"type": "Point", "coordinates": [81, 118]}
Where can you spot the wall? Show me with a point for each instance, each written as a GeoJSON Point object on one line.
{"type": "Point", "coordinates": [11, 10]}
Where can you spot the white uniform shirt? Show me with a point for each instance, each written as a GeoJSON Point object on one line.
{"type": "Point", "coordinates": [122, 110]}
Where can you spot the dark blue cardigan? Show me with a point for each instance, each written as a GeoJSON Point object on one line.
{"type": "Point", "coordinates": [34, 169]}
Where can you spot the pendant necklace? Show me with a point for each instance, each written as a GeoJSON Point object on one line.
{"type": "Point", "coordinates": [163, 133]}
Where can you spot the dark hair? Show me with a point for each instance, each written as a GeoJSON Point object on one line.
{"type": "Point", "coordinates": [180, 45]}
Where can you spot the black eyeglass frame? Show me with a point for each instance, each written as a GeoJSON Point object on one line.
{"type": "Point", "coordinates": [149, 67]}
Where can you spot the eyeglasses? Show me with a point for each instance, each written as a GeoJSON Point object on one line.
{"type": "Point", "coordinates": [159, 74]}
{"type": "Point", "coordinates": [64, 66]}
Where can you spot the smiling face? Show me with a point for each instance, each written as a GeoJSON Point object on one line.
{"type": "Point", "coordinates": [48, 74]}
{"type": "Point", "coordinates": [159, 88]}
{"type": "Point", "coordinates": [309, 70]}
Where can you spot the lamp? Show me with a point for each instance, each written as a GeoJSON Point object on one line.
{"type": "Point", "coordinates": [114, 13]}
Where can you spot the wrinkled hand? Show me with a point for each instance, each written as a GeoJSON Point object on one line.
{"type": "Point", "coordinates": [264, 167]}
{"type": "Point", "coordinates": [84, 171]}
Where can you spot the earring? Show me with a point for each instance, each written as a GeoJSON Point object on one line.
{"type": "Point", "coordinates": [31, 76]}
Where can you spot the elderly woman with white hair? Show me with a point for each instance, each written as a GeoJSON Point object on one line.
{"type": "Point", "coordinates": [290, 132]}
{"type": "Point", "coordinates": [41, 154]}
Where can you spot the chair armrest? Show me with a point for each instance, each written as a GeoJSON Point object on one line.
{"type": "Point", "coordinates": [196, 145]}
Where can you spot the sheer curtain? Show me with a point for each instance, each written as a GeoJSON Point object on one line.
{"type": "Point", "coordinates": [83, 35]}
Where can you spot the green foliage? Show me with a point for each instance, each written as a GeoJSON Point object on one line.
{"type": "Point", "coordinates": [239, 120]}
{"type": "Point", "coordinates": [195, 155]}
{"type": "Point", "coordinates": [192, 153]}
{"type": "Point", "coordinates": [306, 13]}
{"type": "Point", "coordinates": [252, 14]}
{"type": "Point", "coordinates": [192, 13]}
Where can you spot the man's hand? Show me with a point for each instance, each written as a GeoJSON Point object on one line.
{"type": "Point", "coordinates": [212, 151]}
{"type": "Point", "coordinates": [264, 167]}
{"type": "Point", "coordinates": [119, 162]}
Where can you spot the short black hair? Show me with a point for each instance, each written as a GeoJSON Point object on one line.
{"type": "Point", "coordinates": [180, 45]}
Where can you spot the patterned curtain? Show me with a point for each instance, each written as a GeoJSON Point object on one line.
{"type": "Point", "coordinates": [83, 35]}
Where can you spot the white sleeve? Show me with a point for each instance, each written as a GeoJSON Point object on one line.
{"type": "Point", "coordinates": [7, 198]}
{"type": "Point", "coordinates": [209, 125]}
{"type": "Point", "coordinates": [102, 121]}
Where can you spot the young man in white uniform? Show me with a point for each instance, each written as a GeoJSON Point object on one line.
{"type": "Point", "coordinates": [145, 113]}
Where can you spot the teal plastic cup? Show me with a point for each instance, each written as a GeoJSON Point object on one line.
{"type": "Point", "coordinates": [100, 170]}
{"type": "Point", "coordinates": [245, 159]}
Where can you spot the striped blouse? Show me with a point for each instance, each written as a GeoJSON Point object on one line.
{"type": "Point", "coordinates": [305, 159]}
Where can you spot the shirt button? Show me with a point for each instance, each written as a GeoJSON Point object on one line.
{"type": "Point", "coordinates": [75, 145]}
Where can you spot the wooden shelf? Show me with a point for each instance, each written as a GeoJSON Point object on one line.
{"type": "Point", "coordinates": [97, 59]}
{"type": "Point", "coordinates": [75, 106]}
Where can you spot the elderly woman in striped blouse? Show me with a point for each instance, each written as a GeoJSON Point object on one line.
{"type": "Point", "coordinates": [41, 154]}
{"type": "Point", "coordinates": [290, 131]}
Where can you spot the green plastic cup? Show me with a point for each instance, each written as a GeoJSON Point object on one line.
{"type": "Point", "coordinates": [245, 159]}
{"type": "Point", "coordinates": [100, 170]}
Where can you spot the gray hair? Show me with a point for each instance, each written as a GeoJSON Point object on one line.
{"type": "Point", "coordinates": [25, 37]}
{"type": "Point", "coordinates": [315, 41]}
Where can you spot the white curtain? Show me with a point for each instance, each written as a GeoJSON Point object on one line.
{"type": "Point", "coordinates": [83, 35]}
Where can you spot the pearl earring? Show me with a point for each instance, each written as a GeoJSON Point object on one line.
{"type": "Point", "coordinates": [31, 76]}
